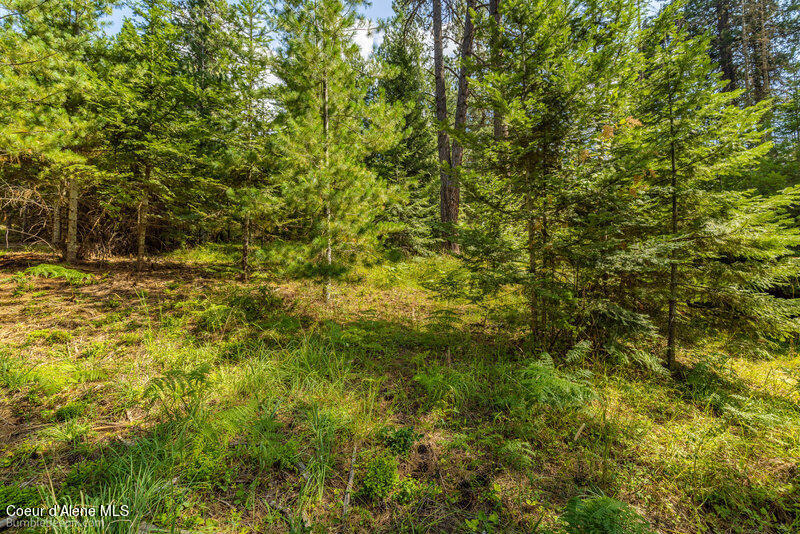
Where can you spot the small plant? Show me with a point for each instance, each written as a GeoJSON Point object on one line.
{"type": "Point", "coordinates": [516, 454]}
{"type": "Point", "coordinates": [218, 318]}
{"type": "Point", "coordinates": [399, 440]}
{"type": "Point", "coordinates": [256, 305]}
{"type": "Point", "coordinates": [541, 383]}
{"type": "Point", "coordinates": [69, 411]}
{"type": "Point", "coordinates": [381, 477]}
{"type": "Point", "coordinates": [483, 523]}
{"type": "Point", "coordinates": [179, 392]}
{"type": "Point", "coordinates": [50, 337]}
{"type": "Point", "coordinates": [603, 515]}
{"type": "Point", "coordinates": [48, 270]}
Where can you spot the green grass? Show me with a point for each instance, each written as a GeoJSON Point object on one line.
{"type": "Point", "coordinates": [237, 408]}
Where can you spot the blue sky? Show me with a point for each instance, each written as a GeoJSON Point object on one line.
{"type": "Point", "coordinates": [379, 9]}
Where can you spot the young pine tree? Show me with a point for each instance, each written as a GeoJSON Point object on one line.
{"type": "Point", "coordinates": [327, 129]}
{"type": "Point", "coordinates": [552, 90]}
{"type": "Point", "coordinates": [249, 117]}
{"type": "Point", "coordinates": [713, 254]}
{"type": "Point", "coordinates": [411, 164]}
{"type": "Point", "coordinates": [143, 105]}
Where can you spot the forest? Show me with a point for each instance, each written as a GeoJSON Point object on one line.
{"type": "Point", "coordinates": [428, 266]}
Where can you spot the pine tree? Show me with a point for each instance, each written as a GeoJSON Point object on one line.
{"type": "Point", "coordinates": [327, 129]}
{"type": "Point", "coordinates": [556, 85]}
{"type": "Point", "coordinates": [409, 165]}
{"type": "Point", "coordinates": [142, 107]}
{"type": "Point", "coordinates": [46, 80]}
{"type": "Point", "coordinates": [248, 143]}
{"type": "Point", "coordinates": [715, 253]}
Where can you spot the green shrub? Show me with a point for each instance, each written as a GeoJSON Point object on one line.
{"type": "Point", "coordinates": [381, 477]}
{"type": "Point", "coordinates": [603, 515]}
{"type": "Point", "coordinates": [399, 440]}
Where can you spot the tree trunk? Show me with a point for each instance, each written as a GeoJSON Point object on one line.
{"type": "Point", "coordinates": [246, 248]}
{"type": "Point", "coordinates": [442, 139]}
{"type": "Point", "coordinates": [452, 191]}
{"type": "Point", "coordinates": [533, 304]}
{"type": "Point", "coordinates": [673, 268]}
{"type": "Point", "coordinates": [724, 42]}
{"type": "Point", "coordinates": [141, 222]}
{"type": "Point", "coordinates": [57, 219]}
{"type": "Point", "coordinates": [496, 53]}
{"type": "Point", "coordinates": [71, 254]}
{"type": "Point", "coordinates": [326, 292]}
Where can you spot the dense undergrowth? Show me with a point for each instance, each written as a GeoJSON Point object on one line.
{"type": "Point", "coordinates": [209, 405]}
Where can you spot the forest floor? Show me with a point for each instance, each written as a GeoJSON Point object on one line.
{"type": "Point", "coordinates": [210, 405]}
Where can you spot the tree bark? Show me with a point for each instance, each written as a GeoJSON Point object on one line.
{"type": "Point", "coordinates": [57, 219]}
{"type": "Point", "coordinates": [71, 253]}
{"type": "Point", "coordinates": [451, 192]}
{"type": "Point", "coordinates": [326, 292]}
{"type": "Point", "coordinates": [442, 139]}
{"type": "Point", "coordinates": [724, 42]}
{"type": "Point", "coordinates": [141, 222]}
{"type": "Point", "coordinates": [673, 268]}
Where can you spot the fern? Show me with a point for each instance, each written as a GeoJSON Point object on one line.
{"type": "Point", "coordinates": [48, 270]}
{"type": "Point", "coordinates": [541, 383]}
{"type": "Point", "coordinates": [603, 515]}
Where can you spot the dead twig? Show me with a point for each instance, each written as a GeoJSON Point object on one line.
{"type": "Point", "coordinates": [346, 500]}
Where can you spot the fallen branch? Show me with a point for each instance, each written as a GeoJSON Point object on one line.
{"type": "Point", "coordinates": [7, 522]}
{"type": "Point", "coordinates": [346, 500]}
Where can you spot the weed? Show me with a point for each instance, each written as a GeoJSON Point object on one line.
{"type": "Point", "coordinates": [381, 477]}
{"type": "Point", "coordinates": [517, 454]}
{"type": "Point", "coordinates": [49, 337]}
{"type": "Point", "coordinates": [70, 411]}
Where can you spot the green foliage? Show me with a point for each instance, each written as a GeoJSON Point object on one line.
{"type": "Point", "coordinates": [541, 383]}
{"type": "Point", "coordinates": [483, 522]}
{"type": "Point", "coordinates": [324, 136]}
{"type": "Point", "coordinates": [399, 440]}
{"type": "Point", "coordinates": [603, 515]}
{"type": "Point", "coordinates": [380, 478]}
{"type": "Point", "coordinates": [70, 411]}
{"type": "Point", "coordinates": [50, 337]}
{"type": "Point", "coordinates": [218, 318]}
{"type": "Point", "coordinates": [72, 276]}
{"type": "Point", "coordinates": [179, 393]}
{"type": "Point", "coordinates": [20, 496]}
{"type": "Point", "coordinates": [516, 454]}
{"type": "Point", "coordinates": [268, 446]}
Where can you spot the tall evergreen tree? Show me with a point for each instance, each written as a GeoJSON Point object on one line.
{"type": "Point", "coordinates": [556, 85]}
{"type": "Point", "coordinates": [143, 108]}
{"type": "Point", "coordinates": [719, 252]}
{"type": "Point", "coordinates": [249, 115]}
{"type": "Point", "coordinates": [409, 165]}
{"type": "Point", "coordinates": [327, 129]}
